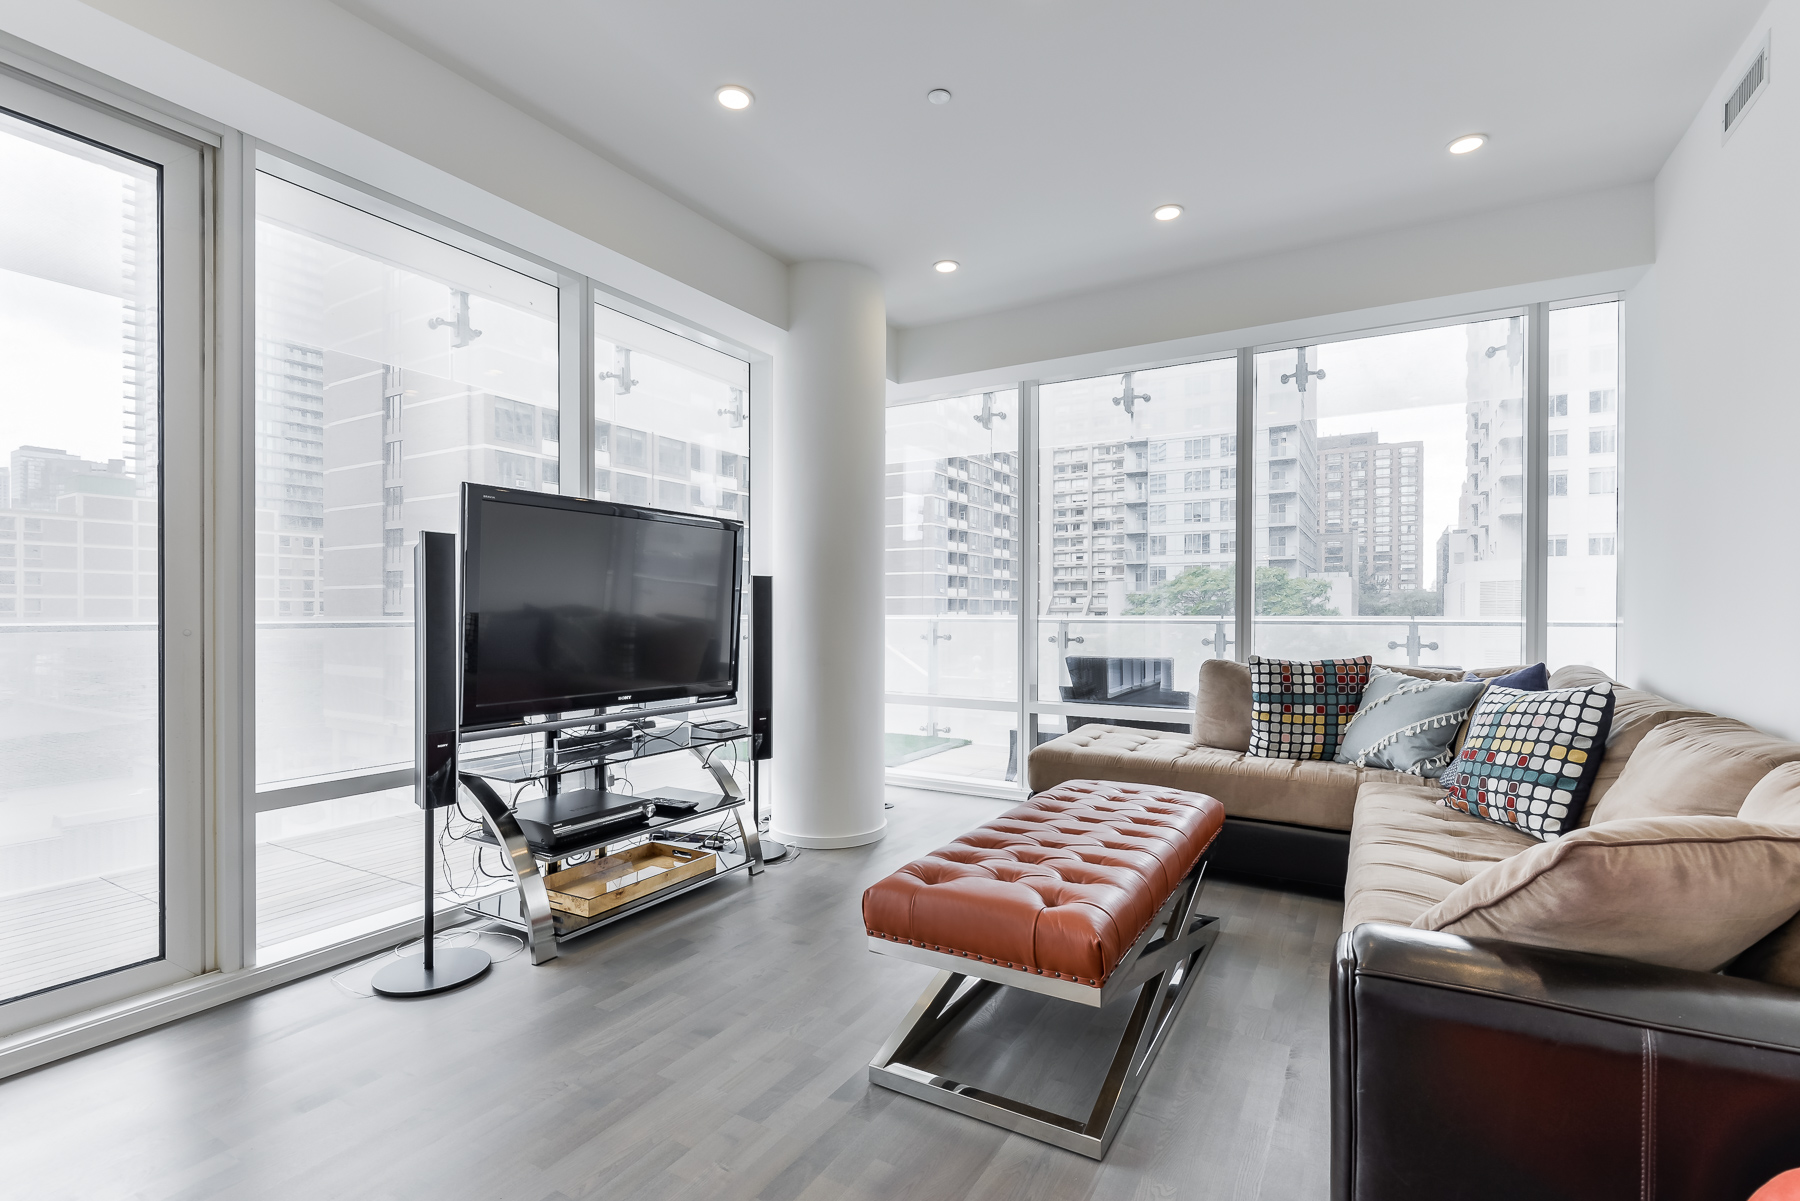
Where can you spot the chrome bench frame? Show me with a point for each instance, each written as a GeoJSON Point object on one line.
{"type": "Point", "coordinates": [1161, 967]}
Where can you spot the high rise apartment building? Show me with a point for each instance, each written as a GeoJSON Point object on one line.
{"type": "Point", "coordinates": [1486, 538]}
{"type": "Point", "coordinates": [1583, 517]}
{"type": "Point", "coordinates": [78, 538]}
{"type": "Point", "coordinates": [1371, 525]}
{"type": "Point", "coordinates": [952, 535]}
{"type": "Point", "coordinates": [1286, 454]}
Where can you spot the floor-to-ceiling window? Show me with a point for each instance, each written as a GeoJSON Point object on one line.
{"type": "Point", "coordinates": [1374, 493]}
{"type": "Point", "coordinates": [952, 569]}
{"type": "Point", "coordinates": [1136, 532]}
{"type": "Point", "coordinates": [1390, 504]}
{"type": "Point", "coordinates": [100, 816]}
{"type": "Point", "coordinates": [671, 430]}
{"type": "Point", "coordinates": [390, 367]}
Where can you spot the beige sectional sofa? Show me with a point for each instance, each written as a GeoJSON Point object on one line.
{"type": "Point", "coordinates": [1469, 1048]}
{"type": "Point", "coordinates": [1401, 852]}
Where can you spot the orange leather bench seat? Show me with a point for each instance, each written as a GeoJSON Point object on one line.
{"type": "Point", "coordinates": [1062, 885]}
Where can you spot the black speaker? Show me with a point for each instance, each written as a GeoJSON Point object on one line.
{"type": "Point", "coordinates": [436, 671]}
{"type": "Point", "coordinates": [762, 683]}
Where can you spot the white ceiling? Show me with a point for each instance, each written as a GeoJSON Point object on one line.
{"type": "Point", "coordinates": [1278, 123]}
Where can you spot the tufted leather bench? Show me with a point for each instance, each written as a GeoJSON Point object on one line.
{"type": "Point", "coordinates": [1087, 892]}
{"type": "Point", "coordinates": [1061, 886]}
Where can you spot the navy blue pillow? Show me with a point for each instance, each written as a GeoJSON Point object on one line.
{"type": "Point", "coordinates": [1535, 678]}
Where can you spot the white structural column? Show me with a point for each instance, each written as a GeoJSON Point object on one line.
{"type": "Point", "coordinates": [828, 655]}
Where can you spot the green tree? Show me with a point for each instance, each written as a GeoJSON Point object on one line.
{"type": "Point", "coordinates": [1196, 592]}
{"type": "Point", "coordinates": [1209, 592]}
{"type": "Point", "coordinates": [1401, 604]}
{"type": "Point", "coordinates": [1279, 594]}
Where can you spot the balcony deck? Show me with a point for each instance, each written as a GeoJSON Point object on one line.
{"type": "Point", "coordinates": [340, 879]}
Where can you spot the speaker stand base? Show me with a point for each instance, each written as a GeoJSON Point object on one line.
{"type": "Point", "coordinates": [772, 851]}
{"type": "Point", "coordinates": [409, 977]}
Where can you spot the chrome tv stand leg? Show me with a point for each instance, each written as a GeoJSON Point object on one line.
{"type": "Point", "coordinates": [534, 898]}
{"type": "Point", "coordinates": [728, 784]}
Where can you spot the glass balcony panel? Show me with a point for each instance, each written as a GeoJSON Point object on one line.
{"type": "Point", "coordinates": [942, 743]}
{"type": "Point", "coordinates": [333, 870]}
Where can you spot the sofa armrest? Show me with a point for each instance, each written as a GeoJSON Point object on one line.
{"type": "Point", "coordinates": [1475, 1068]}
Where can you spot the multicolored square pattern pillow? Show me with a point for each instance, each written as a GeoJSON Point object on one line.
{"type": "Point", "coordinates": [1299, 710]}
{"type": "Point", "coordinates": [1530, 757]}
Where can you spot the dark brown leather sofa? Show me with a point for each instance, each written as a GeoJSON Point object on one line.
{"type": "Point", "coordinates": [1477, 1069]}
{"type": "Point", "coordinates": [1472, 1068]}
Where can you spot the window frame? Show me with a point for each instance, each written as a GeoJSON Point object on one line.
{"type": "Point", "coordinates": [190, 805]}
{"type": "Point", "coordinates": [1237, 538]}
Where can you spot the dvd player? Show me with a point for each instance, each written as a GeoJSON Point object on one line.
{"type": "Point", "coordinates": [582, 813]}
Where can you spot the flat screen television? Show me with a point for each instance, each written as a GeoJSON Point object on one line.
{"type": "Point", "coordinates": [572, 604]}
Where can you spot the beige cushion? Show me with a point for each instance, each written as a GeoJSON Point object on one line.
{"type": "Point", "coordinates": [1298, 792]}
{"type": "Point", "coordinates": [1775, 800]}
{"type": "Point", "coordinates": [1222, 705]}
{"type": "Point", "coordinates": [1693, 766]}
{"type": "Point", "coordinates": [1635, 714]}
{"type": "Point", "coordinates": [1687, 892]}
{"type": "Point", "coordinates": [1775, 959]}
{"type": "Point", "coordinates": [1407, 852]}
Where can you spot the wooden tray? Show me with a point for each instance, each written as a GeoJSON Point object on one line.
{"type": "Point", "coordinates": [591, 889]}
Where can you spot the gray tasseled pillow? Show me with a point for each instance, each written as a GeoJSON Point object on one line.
{"type": "Point", "coordinates": [1407, 724]}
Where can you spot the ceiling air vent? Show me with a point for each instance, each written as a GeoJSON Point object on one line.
{"type": "Point", "coordinates": [1754, 83]}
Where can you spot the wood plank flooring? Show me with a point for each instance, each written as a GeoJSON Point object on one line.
{"type": "Point", "coordinates": [713, 1048]}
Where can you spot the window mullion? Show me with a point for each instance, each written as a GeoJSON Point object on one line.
{"type": "Point", "coordinates": [575, 330]}
{"type": "Point", "coordinates": [1245, 590]}
{"type": "Point", "coordinates": [1537, 482]}
{"type": "Point", "coordinates": [1028, 572]}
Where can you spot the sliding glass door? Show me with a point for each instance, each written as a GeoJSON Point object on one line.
{"type": "Point", "coordinates": [102, 866]}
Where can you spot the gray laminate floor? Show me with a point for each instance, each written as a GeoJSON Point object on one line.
{"type": "Point", "coordinates": [713, 1048]}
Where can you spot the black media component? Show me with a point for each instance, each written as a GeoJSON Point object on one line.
{"type": "Point", "coordinates": [580, 813]}
{"type": "Point", "coordinates": [435, 677]}
{"type": "Point", "coordinates": [762, 682]}
{"type": "Point", "coordinates": [583, 604]}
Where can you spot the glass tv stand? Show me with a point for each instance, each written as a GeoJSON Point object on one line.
{"type": "Point", "coordinates": [526, 907]}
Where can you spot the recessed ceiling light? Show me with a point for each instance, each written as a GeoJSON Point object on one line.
{"type": "Point", "coordinates": [1469, 143]}
{"type": "Point", "coordinates": [1166, 212]}
{"type": "Point", "coordinates": [734, 96]}
{"type": "Point", "coordinates": [945, 266]}
{"type": "Point", "coordinates": [938, 95]}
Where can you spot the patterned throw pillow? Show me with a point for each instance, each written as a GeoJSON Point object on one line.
{"type": "Point", "coordinates": [1299, 710]}
{"type": "Point", "coordinates": [1530, 757]}
{"type": "Point", "coordinates": [1406, 724]}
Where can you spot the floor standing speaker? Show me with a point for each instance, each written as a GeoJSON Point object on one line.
{"type": "Point", "coordinates": [437, 669]}
{"type": "Point", "coordinates": [762, 697]}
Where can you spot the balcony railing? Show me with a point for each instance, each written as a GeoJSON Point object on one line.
{"type": "Point", "coordinates": [963, 659]}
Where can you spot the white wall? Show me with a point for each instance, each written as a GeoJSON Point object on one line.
{"type": "Point", "coordinates": [232, 59]}
{"type": "Point", "coordinates": [1576, 235]}
{"type": "Point", "coordinates": [1711, 577]}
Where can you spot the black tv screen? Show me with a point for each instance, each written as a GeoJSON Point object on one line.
{"type": "Point", "coordinates": [573, 604]}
